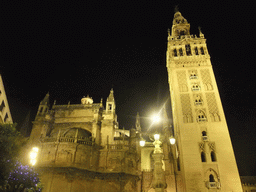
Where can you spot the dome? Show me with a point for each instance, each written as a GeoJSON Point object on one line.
{"type": "Point", "coordinates": [87, 100]}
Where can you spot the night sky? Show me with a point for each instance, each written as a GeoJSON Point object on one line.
{"type": "Point", "coordinates": [75, 48]}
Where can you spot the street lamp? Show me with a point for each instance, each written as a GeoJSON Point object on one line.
{"type": "Point", "coordinates": [159, 182]}
{"type": "Point", "coordinates": [172, 140]}
{"type": "Point", "coordinates": [33, 155]}
{"type": "Point", "coordinates": [142, 143]}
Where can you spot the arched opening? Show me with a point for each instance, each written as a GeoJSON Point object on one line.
{"type": "Point", "coordinates": [203, 157]}
{"type": "Point", "coordinates": [175, 53]}
{"type": "Point", "coordinates": [213, 156]}
{"type": "Point", "coordinates": [181, 52]}
{"type": "Point", "coordinates": [211, 178]}
{"type": "Point", "coordinates": [202, 50]}
{"type": "Point", "coordinates": [196, 51]}
{"type": "Point", "coordinates": [204, 133]}
{"type": "Point", "coordinates": [188, 49]}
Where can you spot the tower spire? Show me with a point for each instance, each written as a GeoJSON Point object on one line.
{"type": "Point", "coordinates": [110, 104]}
{"type": "Point", "coordinates": [137, 124]}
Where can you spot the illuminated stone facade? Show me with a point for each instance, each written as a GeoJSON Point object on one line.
{"type": "Point", "coordinates": [5, 114]}
{"type": "Point", "coordinates": [206, 157]}
{"type": "Point", "coordinates": [81, 147]}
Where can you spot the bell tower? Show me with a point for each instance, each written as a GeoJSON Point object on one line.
{"type": "Point", "coordinates": [206, 159]}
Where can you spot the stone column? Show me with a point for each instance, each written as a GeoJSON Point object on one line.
{"type": "Point", "coordinates": [159, 183]}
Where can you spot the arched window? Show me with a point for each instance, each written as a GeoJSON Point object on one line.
{"type": "Point", "coordinates": [211, 178]}
{"type": "Point", "coordinates": [182, 33]}
{"type": "Point", "coordinates": [213, 156]}
{"type": "Point", "coordinates": [204, 136]}
{"type": "Point", "coordinates": [175, 53]}
{"type": "Point", "coordinates": [196, 51]}
{"type": "Point", "coordinates": [202, 50]}
{"type": "Point", "coordinates": [181, 52]}
{"type": "Point", "coordinates": [193, 75]}
{"type": "Point", "coordinates": [188, 49]}
{"type": "Point", "coordinates": [201, 117]}
{"type": "Point", "coordinates": [195, 87]}
{"type": "Point", "coordinates": [203, 157]}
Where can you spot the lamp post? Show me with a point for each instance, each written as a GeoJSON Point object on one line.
{"type": "Point", "coordinates": [159, 182]}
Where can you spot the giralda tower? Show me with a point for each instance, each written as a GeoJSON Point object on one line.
{"type": "Point", "coordinates": [206, 158]}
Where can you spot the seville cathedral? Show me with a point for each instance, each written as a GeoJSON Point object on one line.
{"type": "Point", "coordinates": [82, 149]}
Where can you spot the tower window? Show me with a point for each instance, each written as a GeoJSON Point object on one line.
{"type": "Point", "coordinates": [196, 88]}
{"type": "Point", "coordinates": [203, 157]}
{"type": "Point", "coordinates": [181, 52]}
{"type": "Point", "coordinates": [196, 51]}
{"type": "Point", "coordinates": [175, 53]}
{"type": "Point", "coordinates": [188, 49]}
{"type": "Point", "coordinates": [178, 164]}
{"type": "Point", "coordinates": [198, 101]}
{"type": "Point", "coordinates": [202, 50]}
{"type": "Point", "coordinates": [6, 117]}
{"type": "Point", "coordinates": [204, 136]}
{"type": "Point", "coordinates": [201, 118]}
{"type": "Point", "coordinates": [182, 33]}
{"type": "Point", "coordinates": [109, 107]}
{"type": "Point", "coordinates": [211, 178]}
{"type": "Point", "coordinates": [2, 106]}
{"type": "Point", "coordinates": [213, 156]}
{"type": "Point", "coordinates": [193, 75]}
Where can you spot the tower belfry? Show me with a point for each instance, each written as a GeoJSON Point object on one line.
{"type": "Point", "coordinates": [206, 158]}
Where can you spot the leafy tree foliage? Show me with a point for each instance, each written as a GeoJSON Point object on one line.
{"type": "Point", "coordinates": [23, 178]}
{"type": "Point", "coordinates": [13, 175]}
{"type": "Point", "coordinates": [11, 143]}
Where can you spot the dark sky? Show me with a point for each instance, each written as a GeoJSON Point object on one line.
{"type": "Point", "coordinates": [75, 48]}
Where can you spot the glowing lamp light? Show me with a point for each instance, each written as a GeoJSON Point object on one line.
{"type": "Point", "coordinates": [172, 140]}
{"type": "Point", "coordinates": [142, 143]}
{"type": "Point", "coordinates": [156, 136]}
{"type": "Point", "coordinates": [33, 155]}
{"type": "Point", "coordinates": [35, 149]}
{"type": "Point", "coordinates": [32, 162]}
{"type": "Point", "coordinates": [156, 118]}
